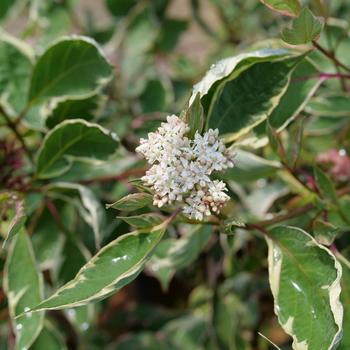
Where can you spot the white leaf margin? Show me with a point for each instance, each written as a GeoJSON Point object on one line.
{"type": "Point", "coordinates": [89, 202]}
{"type": "Point", "coordinates": [106, 290]}
{"type": "Point", "coordinates": [334, 290]}
{"type": "Point", "coordinates": [223, 68]}
{"type": "Point", "coordinates": [70, 158]}
{"type": "Point", "coordinates": [14, 298]}
{"type": "Point", "coordinates": [18, 44]}
{"type": "Point", "coordinates": [102, 82]}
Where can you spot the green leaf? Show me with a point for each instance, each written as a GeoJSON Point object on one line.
{"type": "Point", "coordinates": [119, 8]}
{"type": "Point", "coordinates": [138, 184]}
{"type": "Point", "coordinates": [81, 316]}
{"type": "Point", "coordinates": [77, 138]}
{"type": "Point", "coordinates": [154, 96]}
{"type": "Point", "coordinates": [297, 95]}
{"type": "Point", "coordinates": [143, 220]}
{"type": "Point", "coordinates": [24, 288]}
{"type": "Point", "coordinates": [141, 340]}
{"type": "Point", "coordinates": [5, 6]}
{"type": "Point", "coordinates": [295, 136]}
{"type": "Point", "coordinates": [17, 221]}
{"type": "Point", "coordinates": [339, 214]}
{"type": "Point", "coordinates": [132, 202]}
{"type": "Point", "coordinates": [233, 101]}
{"type": "Point", "coordinates": [243, 104]}
{"type": "Point", "coordinates": [230, 225]}
{"type": "Point", "coordinates": [194, 117]}
{"type": "Point", "coordinates": [34, 118]}
{"type": "Point", "coordinates": [285, 7]}
{"type": "Point", "coordinates": [329, 106]}
{"type": "Point", "coordinates": [92, 211]}
{"type": "Point", "coordinates": [114, 266]}
{"type": "Point", "coordinates": [296, 186]}
{"type": "Point", "coordinates": [325, 186]}
{"type": "Point", "coordinates": [275, 141]}
{"type": "Point", "coordinates": [58, 22]}
{"type": "Point", "coordinates": [250, 167]}
{"type": "Point", "coordinates": [163, 274]}
{"type": "Point", "coordinates": [345, 299]}
{"type": "Point", "coordinates": [33, 201]}
{"type": "Point", "coordinates": [142, 33]}
{"type": "Point", "coordinates": [305, 28]}
{"type": "Point", "coordinates": [261, 199]}
{"type": "Point", "coordinates": [47, 241]}
{"type": "Point", "coordinates": [49, 339]}
{"type": "Point", "coordinates": [336, 38]}
{"type": "Point", "coordinates": [325, 127]}
{"type": "Point", "coordinates": [90, 169]}
{"type": "Point", "coordinates": [73, 67]}
{"type": "Point", "coordinates": [229, 315]}
{"type": "Point", "coordinates": [225, 68]}
{"type": "Point", "coordinates": [74, 255]}
{"type": "Point", "coordinates": [186, 332]}
{"type": "Point", "coordinates": [72, 109]}
{"type": "Point", "coordinates": [170, 33]}
{"type": "Point", "coordinates": [174, 254]}
{"type": "Point", "coordinates": [324, 232]}
{"type": "Point", "coordinates": [102, 35]}
{"type": "Point", "coordinates": [15, 68]}
{"type": "Point", "coordinates": [305, 283]}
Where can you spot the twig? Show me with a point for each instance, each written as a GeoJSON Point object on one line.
{"type": "Point", "coordinates": [295, 176]}
{"type": "Point", "coordinates": [334, 75]}
{"type": "Point", "coordinates": [343, 191]}
{"type": "Point", "coordinates": [280, 218]}
{"type": "Point", "coordinates": [269, 341]}
{"type": "Point", "coordinates": [330, 55]}
{"type": "Point", "coordinates": [340, 256]}
{"type": "Point", "coordinates": [260, 225]}
{"type": "Point", "coordinates": [58, 220]}
{"type": "Point", "coordinates": [257, 227]}
{"type": "Point", "coordinates": [23, 113]}
{"type": "Point", "coordinates": [342, 80]}
{"type": "Point", "coordinates": [322, 76]}
{"type": "Point", "coordinates": [11, 125]}
{"type": "Point", "coordinates": [332, 50]}
{"type": "Point", "coordinates": [173, 216]}
{"type": "Point", "coordinates": [55, 214]}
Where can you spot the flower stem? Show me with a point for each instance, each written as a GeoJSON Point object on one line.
{"type": "Point", "coordinates": [173, 216]}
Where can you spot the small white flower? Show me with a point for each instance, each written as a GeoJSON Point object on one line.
{"type": "Point", "coordinates": [181, 168]}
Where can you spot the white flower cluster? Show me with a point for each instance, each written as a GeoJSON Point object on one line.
{"type": "Point", "coordinates": [181, 168]}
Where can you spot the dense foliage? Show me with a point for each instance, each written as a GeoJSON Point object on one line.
{"type": "Point", "coordinates": [238, 235]}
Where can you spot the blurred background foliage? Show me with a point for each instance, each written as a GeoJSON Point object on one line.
{"type": "Point", "coordinates": [214, 291]}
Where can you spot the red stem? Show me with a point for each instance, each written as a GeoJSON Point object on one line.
{"type": "Point", "coordinates": [330, 55]}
